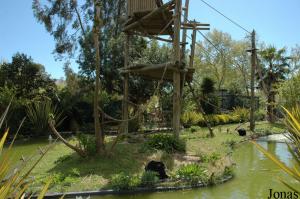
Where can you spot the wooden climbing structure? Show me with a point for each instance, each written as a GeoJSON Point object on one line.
{"type": "Point", "coordinates": [157, 20]}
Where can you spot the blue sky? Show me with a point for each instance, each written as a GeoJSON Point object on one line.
{"type": "Point", "coordinates": [276, 23]}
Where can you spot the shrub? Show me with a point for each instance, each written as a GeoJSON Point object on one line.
{"type": "Point", "coordinates": [124, 182]}
{"type": "Point", "coordinates": [149, 179]}
{"type": "Point", "coordinates": [193, 173]}
{"type": "Point", "coordinates": [165, 142]}
{"type": "Point", "coordinates": [39, 113]}
{"type": "Point", "coordinates": [224, 118]}
{"type": "Point", "coordinates": [210, 158]}
{"type": "Point", "coordinates": [242, 113]}
{"type": "Point", "coordinates": [87, 143]}
{"type": "Point", "coordinates": [260, 115]}
{"type": "Point", "coordinates": [191, 118]}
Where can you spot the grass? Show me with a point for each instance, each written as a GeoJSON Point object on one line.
{"type": "Point", "coordinates": [72, 173]}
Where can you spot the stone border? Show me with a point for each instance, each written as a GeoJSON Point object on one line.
{"type": "Point", "coordinates": [135, 191]}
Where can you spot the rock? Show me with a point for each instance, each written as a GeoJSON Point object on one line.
{"type": "Point", "coordinates": [157, 167]}
{"type": "Point", "coordinates": [242, 132]}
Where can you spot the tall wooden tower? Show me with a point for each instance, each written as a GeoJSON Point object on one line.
{"type": "Point", "coordinates": [154, 19]}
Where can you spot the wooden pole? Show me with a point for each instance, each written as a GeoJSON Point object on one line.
{"type": "Point", "coordinates": [193, 45]}
{"type": "Point", "coordinates": [184, 32]}
{"type": "Point", "coordinates": [176, 74]}
{"type": "Point", "coordinates": [126, 85]}
{"type": "Point", "coordinates": [253, 67]}
{"type": "Point", "coordinates": [96, 36]}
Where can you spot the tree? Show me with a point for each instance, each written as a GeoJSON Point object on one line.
{"type": "Point", "coordinates": [62, 17]}
{"type": "Point", "coordinates": [209, 101]}
{"type": "Point", "coordinates": [273, 67]}
{"type": "Point", "coordinates": [289, 93]}
{"type": "Point", "coordinates": [226, 62]}
{"type": "Point", "coordinates": [28, 79]}
{"type": "Point", "coordinates": [295, 59]}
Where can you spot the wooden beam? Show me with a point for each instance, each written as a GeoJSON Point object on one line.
{"type": "Point", "coordinates": [184, 32]}
{"type": "Point", "coordinates": [253, 69]}
{"type": "Point", "coordinates": [193, 45]}
{"type": "Point", "coordinates": [176, 74]}
{"type": "Point", "coordinates": [157, 10]}
{"type": "Point", "coordinates": [146, 67]}
{"type": "Point", "coordinates": [126, 86]}
{"type": "Point", "coordinates": [192, 28]}
{"type": "Point", "coordinates": [192, 24]}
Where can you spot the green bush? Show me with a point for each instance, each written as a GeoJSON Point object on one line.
{"type": "Point", "coordinates": [260, 115]}
{"type": "Point", "coordinates": [192, 173]}
{"type": "Point", "coordinates": [191, 118]}
{"type": "Point", "coordinates": [209, 158]}
{"type": "Point", "coordinates": [124, 182]}
{"type": "Point", "coordinates": [242, 113]}
{"type": "Point", "coordinates": [149, 179]}
{"type": "Point", "coordinates": [165, 142]}
{"type": "Point", "coordinates": [87, 143]}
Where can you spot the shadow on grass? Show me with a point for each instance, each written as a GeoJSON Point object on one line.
{"type": "Point", "coordinates": [125, 158]}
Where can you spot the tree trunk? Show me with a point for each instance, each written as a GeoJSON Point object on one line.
{"type": "Point", "coordinates": [96, 36]}
{"type": "Point", "coordinates": [78, 150]}
{"type": "Point", "coordinates": [270, 106]}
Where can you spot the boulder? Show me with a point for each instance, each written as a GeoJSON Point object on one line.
{"type": "Point", "coordinates": [157, 167]}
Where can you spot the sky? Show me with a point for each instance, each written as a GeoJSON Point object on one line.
{"type": "Point", "coordinates": [277, 22]}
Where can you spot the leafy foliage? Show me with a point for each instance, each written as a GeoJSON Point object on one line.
{"type": "Point", "coordinates": [87, 143]}
{"type": "Point", "coordinates": [289, 93]}
{"type": "Point", "coordinates": [209, 101]}
{"type": "Point", "coordinates": [124, 182]}
{"type": "Point", "coordinates": [192, 118]}
{"type": "Point", "coordinates": [149, 179]}
{"type": "Point", "coordinates": [28, 79]}
{"type": "Point", "coordinates": [24, 81]}
{"type": "Point", "coordinates": [39, 113]}
{"type": "Point", "coordinates": [242, 113]}
{"type": "Point", "coordinates": [193, 173]}
{"type": "Point", "coordinates": [274, 67]}
{"type": "Point", "coordinates": [165, 142]}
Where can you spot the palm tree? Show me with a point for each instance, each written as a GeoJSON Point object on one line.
{"type": "Point", "coordinates": [273, 67]}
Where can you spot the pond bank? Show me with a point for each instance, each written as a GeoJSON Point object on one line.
{"type": "Point", "coordinates": [71, 174]}
{"type": "Point", "coordinates": [131, 192]}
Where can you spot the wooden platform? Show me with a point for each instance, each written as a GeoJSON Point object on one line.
{"type": "Point", "coordinates": [156, 71]}
{"type": "Point", "coordinates": [152, 22]}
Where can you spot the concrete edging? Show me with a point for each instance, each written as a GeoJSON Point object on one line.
{"type": "Point", "coordinates": [135, 191]}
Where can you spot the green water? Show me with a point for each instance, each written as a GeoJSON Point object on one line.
{"type": "Point", "coordinates": [254, 174]}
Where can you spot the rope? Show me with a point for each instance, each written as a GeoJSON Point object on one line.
{"type": "Point", "coordinates": [232, 21]}
{"type": "Point", "coordinates": [142, 108]}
